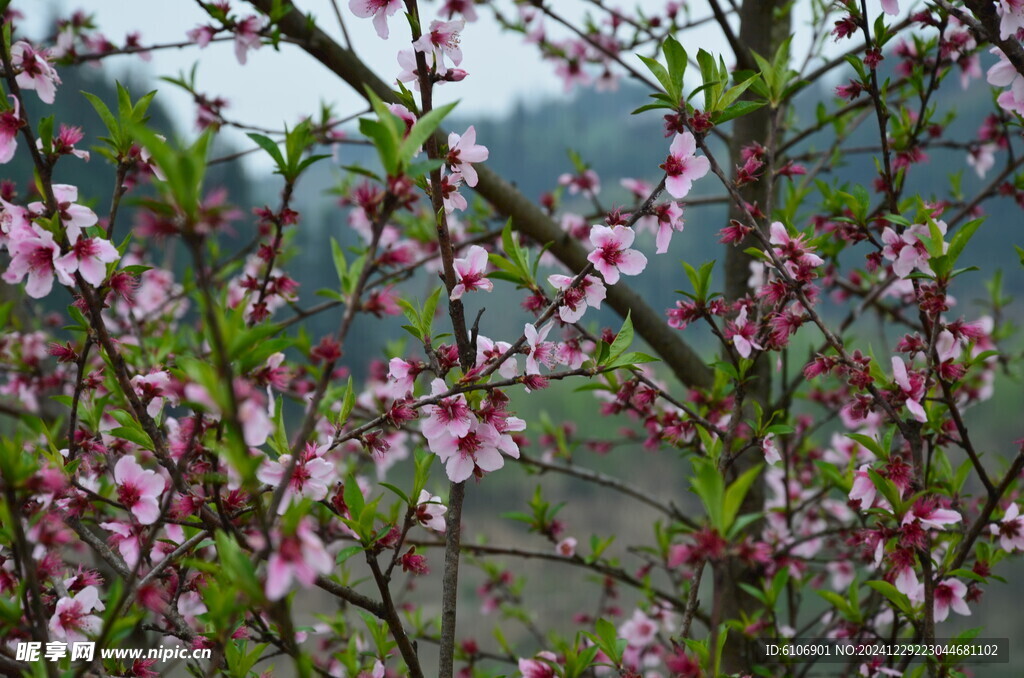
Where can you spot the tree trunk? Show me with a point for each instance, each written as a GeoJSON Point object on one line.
{"type": "Point", "coordinates": [764, 24]}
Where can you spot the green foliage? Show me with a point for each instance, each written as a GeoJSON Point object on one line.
{"type": "Point", "coordinates": [297, 143]}
{"type": "Point", "coordinates": [130, 116]}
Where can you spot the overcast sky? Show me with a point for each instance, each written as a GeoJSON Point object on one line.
{"type": "Point", "coordinates": [281, 87]}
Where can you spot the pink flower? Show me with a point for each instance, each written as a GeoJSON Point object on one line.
{"type": "Point", "coordinates": [138, 490]}
{"type": "Point", "coordinates": [891, 7]}
{"type": "Point", "coordinates": [409, 72]}
{"type": "Point", "coordinates": [486, 350]}
{"type": "Point", "coordinates": [463, 150]}
{"type": "Point", "coordinates": [453, 200]}
{"type": "Point", "coordinates": [89, 256]}
{"type": "Point", "coordinates": [470, 272]}
{"type": "Point", "coordinates": [863, 489]}
{"type": "Point", "coordinates": [742, 332]}
{"type": "Point", "coordinates": [450, 416]}
{"type": "Point", "coordinates": [907, 251]}
{"type": "Point", "coordinates": [1012, 18]}
{"type": "Point", "coordinates": [380, 10]}
{"type": "Point", "coordinates": [75, 217]}
{"type": "Point", "coordinates": [931, 516]}
{"type": "Point", "coordinates": [34, 252]}
{"type": "Point", "coordinates": [949, 593]}
{"type": "Point", "coordinates": [541, 667]}
{"type": "Point", "coordinates": [539, 351]}
{"type": "Point", "coordinates": [982, 158]}
{"type": "Point", "coordinates": [771, 452]}
{"type": "Point", "coordinates": [126, 539]}
{"type": "Point", "coordinates": [683, 167]}
{"type": "Point", "coordinates": [670, 220]}
{"type": "Point", "coordinates": [612, 256]}
{"type": "Point", "coordinates": [312, 477]}
{"type": "Point", "coordinates": [255, 421]}
{"type": "Point", "coordinates": [430, 511]}
{"type": "Point", "coordinates": [300, 556]}
{"type": "Point", "coordinates": [247, 36]}
{"type": "Point", "coordinates": [473, 452]}
{"type": "Point", "coordinates": [35, 71]}
{"type": "Point", "coordinates": [639, 631]}
{"type": "Point", "coordinates": [1010, 530]}
{"type": "Point", "coordinates": [71, 620]}
{"type": "Point", "coordinates": [154, 389]}
{"type": "Point", "coordinates": [440, 41]}
{"type": "Point", "coordinates": [10, 123]}
{"type": "Point", "coordinates": [589, 293]}
{"type": "Point", "coordinates": [201, 35]}
{"type": "Point", "coordinates": [401, 377]}
{"type": "Point", "coordinates": [566, 547]}
{"type": "Point", "coordinates": [913, 388]}
{"type": "Point", "coordinates": [792, 250]}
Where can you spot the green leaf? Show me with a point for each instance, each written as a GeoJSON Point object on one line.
{"type": "Point", "coordinates": [661, 74]}
{"type": "Point", "coordinates": [736, 110]}
{"type": "Point", "coordinates": [422, 130]}
{"type": "Point", "coordinates": [901, 601]}
{"type": "Point", "coordinates": [676, 60]}
{"type": "Point", "coordinates": [708, 484]}
{"type": "Point", "coordinates": [622, 340]}
{"type": "Point", "coordinates": [271, 147]}
{"type": "Point", "coordinates": [735, 494]}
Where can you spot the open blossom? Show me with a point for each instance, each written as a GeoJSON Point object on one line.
{"type": "Point", "coordinates": [401, 377]}
{"type": "Point", "coordinates": [566, 547]}
{"type": "Point", "coordinates": [71, 619]}
{"type": "Point", "coordinates": [913, 387]}
{"type": "Point", "coordinates": [154, 389]}
{"type": "Point", "coordinates": [89, 257]}
{"type": "Point", "coordinates": [930, 516]}
{"type": "Point", "coordinates": [34, 252]}
{"type": "Point", "coordinates": [312, 476]}
{"type": "Point", "coordinates": [462, 151]}
{"type": "Point", "coordinates": [575, 301]}
{"type": "Point", "coordinates": [543, 666]}
{"type": "Point", "coordinates": [470, 272]}
{"type": "Point", "coordinates": [475, 451]}
{"type": "Point", "coordinates": [639, 631]}
{"type": "Point", "coordinates": [247, 36]}
{"type": "Point", "coordinates": [35, 71]}
{"type": "Point", "coordinates": [743, 333]}
{"type": "Point", "coordinates": [10, 123]}
{"type": "Point", "coordinates": [771, 451]}
{"type": "Point", "coordinates": [612, 256]}
{"type": "Point", "coordinates": [430, 511]}
{"type": "Point", "coordinates": [126, 539]}
{"type": "Point", "coordinates": [138, 490]}
{"type": "Point", "coordinates": [300, 556]}
{"type": "Point", "coordinates": [75, 217]}
{"type": "Point", "coordinates": [380, 10]}
{"type": "Point", "coordinates": [907, 251]}
{"type": "Point", "coordinates": [950, 594]}
{"type": "Point", "coordinates": [1011, 18]}
{"type": "Point", "coordinates": [450, 416]}
{"type": "Point", "coordinates": [440, 41]}
{"type": "Point", "coordinates": [792, 249]}
{"type": "Point", "coordinates": [682, 166]}
{"type": "Point", "coordinates": [891, 7]}
{"type": "Point", "coordinates": [670, 220]}
{"type": "Point", "coordinates": [487, 349]}
{"type": "Point", "coordinates": [863, 489]}
{"type": "Point", "coordinates": [1010, 529]}
{"type": "Point", "coordinates": [539, 351]}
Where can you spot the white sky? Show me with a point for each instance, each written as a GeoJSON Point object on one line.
{"type": "Point", "coordinates": [274, 88]}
